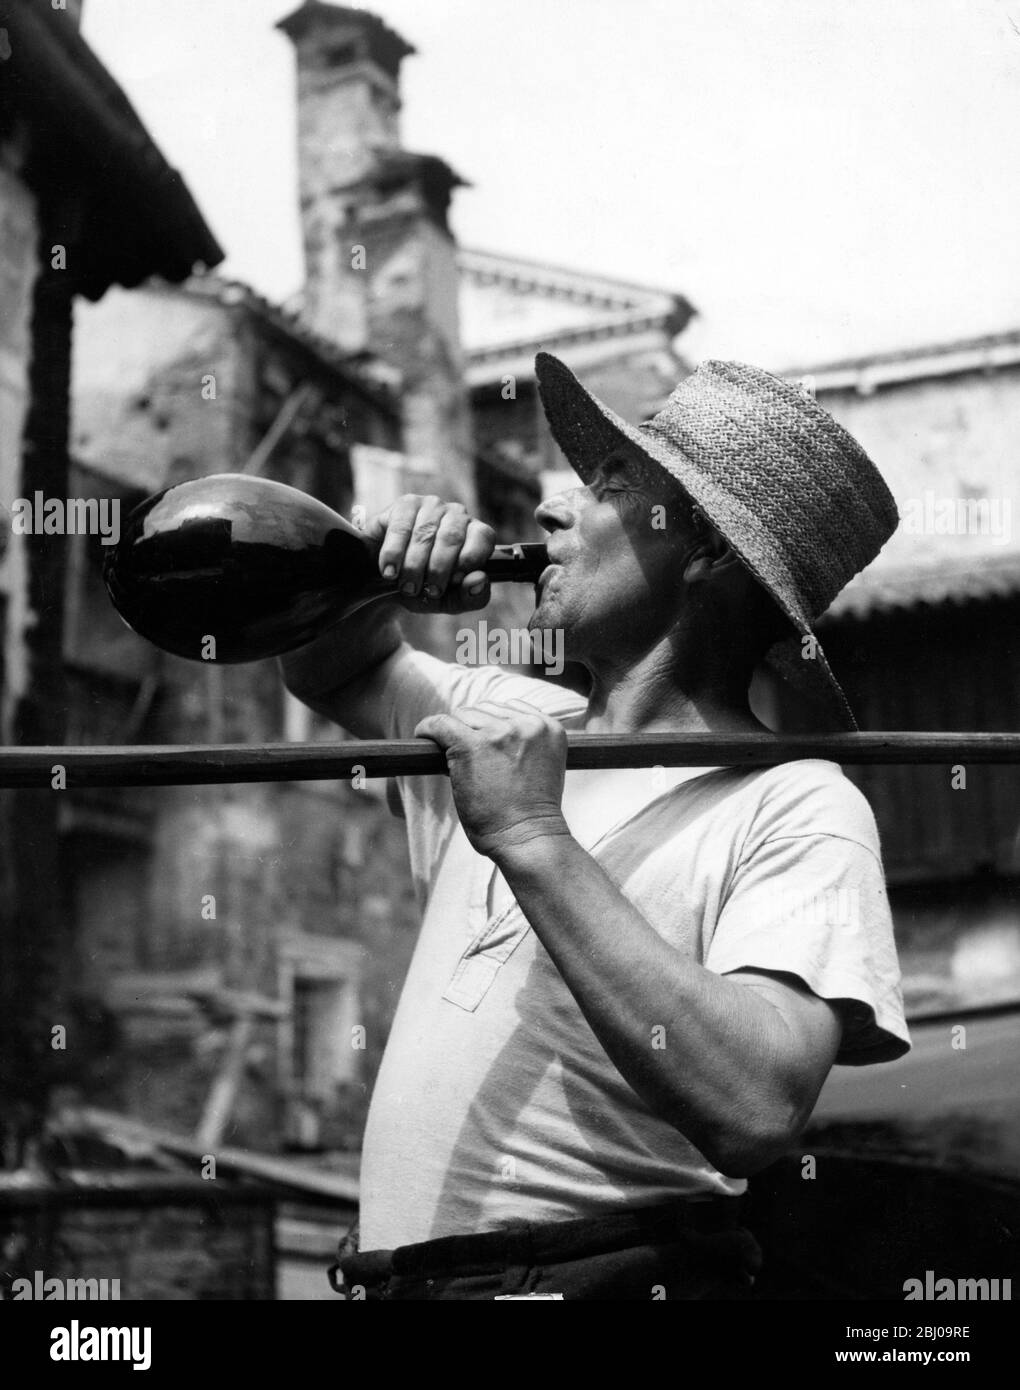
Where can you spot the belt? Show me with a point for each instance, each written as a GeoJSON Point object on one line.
{"type": "Point", "coordinates": [530, 1243]}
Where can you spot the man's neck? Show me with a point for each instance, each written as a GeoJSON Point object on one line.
{"type": "Point", "coordinates": [655, 692]}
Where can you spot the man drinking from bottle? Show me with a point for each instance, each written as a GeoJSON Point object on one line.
{"type": "Point", "coordinates": [628, 988]}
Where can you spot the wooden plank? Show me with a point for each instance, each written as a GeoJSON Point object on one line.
{"type": "Point", "coordinates": [222, 1095]}
{"type": "Point", "coordinates": [148, 765]}
{"type": "Point", "coordinates": [285, 417]}
{"type": "Point", "coordinates": [283, 1172]}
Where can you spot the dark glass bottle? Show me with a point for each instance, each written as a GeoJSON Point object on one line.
{"type": "Point", "coordinates": [260, 567]}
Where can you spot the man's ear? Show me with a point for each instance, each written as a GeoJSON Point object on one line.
{"type": "Point", "coordinates": [711, 556]}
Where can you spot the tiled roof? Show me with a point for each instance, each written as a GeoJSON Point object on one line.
{"type": "Point", "coordinates": [288, 320]}
{"type": "Point", "coordinates": [956, 580]}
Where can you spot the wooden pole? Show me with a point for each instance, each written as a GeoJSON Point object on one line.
{"type": "Point", "coordinates": [34, 978]}
{"type": "Point", "coordinates": [226, 1084]}
{"type": "Point", "coordinates": [162, 766]}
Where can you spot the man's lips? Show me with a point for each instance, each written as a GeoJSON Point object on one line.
{"type": "Point", "coordinates": [545, 575]}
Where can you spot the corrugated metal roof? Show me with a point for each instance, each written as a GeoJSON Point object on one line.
{"type": "Point", "coordinates": [956, 580]}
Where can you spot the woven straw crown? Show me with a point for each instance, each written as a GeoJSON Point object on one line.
{"type": "Point", "coordinates": [793, 493]}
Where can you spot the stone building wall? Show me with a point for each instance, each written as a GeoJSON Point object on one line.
{"type": "Point", "coordinates": [143, 359]}
{"type": "Point", "coordinates": [186, 1240]}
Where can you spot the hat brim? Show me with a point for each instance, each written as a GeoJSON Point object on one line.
{"type": "Point", "coordinates": [586, 429]}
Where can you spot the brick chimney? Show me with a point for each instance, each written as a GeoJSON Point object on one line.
{"type": "Point", "coordinates": [380, 260]}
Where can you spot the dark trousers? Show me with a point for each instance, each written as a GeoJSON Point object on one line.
{"type": "Point", "coordinates": [687, 1250]}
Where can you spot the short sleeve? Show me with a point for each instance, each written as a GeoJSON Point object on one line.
{"type": "Point", "coordinates": [814, 905]}
{"type": "Point", "coordinates": [423, 685]}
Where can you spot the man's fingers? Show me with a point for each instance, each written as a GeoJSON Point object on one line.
{"type": "Point", "coordinates": [419, 546]}
{"type": "Point", "coordinates": [398, 523]}
{"type": "Point", "coordinates": [436, 551]}
{"type": "Point", "coordinates": [469, 588]}
{"type": "Point", "coordinates": [512, 718]}
{"type": "Point", "coordinates": [444, 729]}
{"type": "Point", "coordinates": [473, 592]}
{"type": "Point", "coordinates": [446, 549]}
{"type": "Point", "coordinates": [478, 546]}
{"type": "Point", "coordinates": [485, 717]}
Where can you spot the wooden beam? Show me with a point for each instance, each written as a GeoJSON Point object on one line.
{"type": "Point", "coordinates": [202, 765]}
{"type": "Point", "coordinates": [285, 417]}
{"type": "Point", "coordinates": [219, 1103]}
{"type": "Point", "coordinates": [271, 1168]}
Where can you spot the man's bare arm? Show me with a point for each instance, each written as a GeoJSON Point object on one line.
{"type": "Point", "coordinates": [436, 551]}
{"type": "Point", "coordinates": [740, 1059]}
{"type": "Point", "coordinates": [336, 673]}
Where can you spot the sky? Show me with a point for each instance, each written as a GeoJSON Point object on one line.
{"type": "Point", "coordinates": [821, 178]}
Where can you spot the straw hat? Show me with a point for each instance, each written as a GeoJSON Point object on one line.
{"type": "Point", "coordinates": [795, 496]}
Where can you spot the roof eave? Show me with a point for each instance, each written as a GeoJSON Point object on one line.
{"type": "Point", "coordinates": [130, 184]}
{"type": "Point", "coordinates": [865, 374]}
{"type": "Point", "coordinates": [235, 295]}
{"type": "Point", "coordinates": [949, 582]}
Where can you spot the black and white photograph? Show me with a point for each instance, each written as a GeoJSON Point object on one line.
{"type": "Point", "coordinates": [510, 669]}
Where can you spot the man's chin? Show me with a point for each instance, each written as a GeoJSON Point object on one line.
{"type": "Point", "coordinates": [547, 619]}
{"type": "Point", "coordinates": [542, 617]}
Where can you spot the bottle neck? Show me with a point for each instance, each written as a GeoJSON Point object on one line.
{"type": "Point", "coordinates": [521, 562]}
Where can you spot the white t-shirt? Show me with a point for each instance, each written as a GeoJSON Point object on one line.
{"type": "Point", "coordinates": [495, 1101]}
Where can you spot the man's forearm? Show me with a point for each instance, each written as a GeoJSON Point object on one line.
{"type": "Point", "coordinates": [720, 1070]}
{"type": "Point", "coordinates": [328, 669]}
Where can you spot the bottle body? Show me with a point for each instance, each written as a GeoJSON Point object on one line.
{"type": "Point", "coordinates": [232, 568]}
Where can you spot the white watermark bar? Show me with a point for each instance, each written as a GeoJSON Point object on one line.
{"type": "Point", "coordinates": [149, 765]}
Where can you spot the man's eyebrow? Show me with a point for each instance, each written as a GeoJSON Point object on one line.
{"type": "Point", "coordinates": [617, 459]}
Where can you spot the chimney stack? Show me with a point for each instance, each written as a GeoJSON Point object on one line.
{"type": "Point", "coordinates": [380, 261]}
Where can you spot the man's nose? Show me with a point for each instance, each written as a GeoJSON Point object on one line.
{"type": "Point", "coordinates": [555, 513]}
